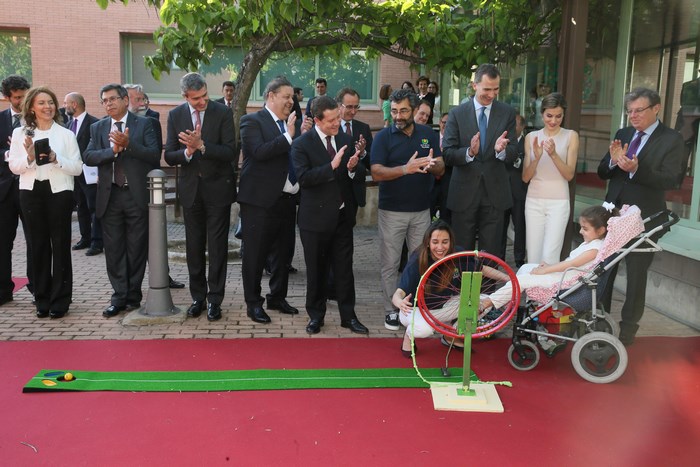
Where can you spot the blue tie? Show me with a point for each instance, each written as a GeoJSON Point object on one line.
{"type": "Point", "coordinates": [482, 130]}
{"type": "Point", "coordinates": [290, 166]}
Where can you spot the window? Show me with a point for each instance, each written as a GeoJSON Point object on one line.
{"type": "Point", "coordinates": [15, 54]}
{"type": "Point", "coordinates": [356, 71]}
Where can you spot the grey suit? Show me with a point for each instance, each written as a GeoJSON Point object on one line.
{"type": "Point", "coordinates": [479, 190]}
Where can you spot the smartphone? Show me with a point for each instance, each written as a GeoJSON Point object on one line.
{"type": "Point", "coordinates": [41, 146]}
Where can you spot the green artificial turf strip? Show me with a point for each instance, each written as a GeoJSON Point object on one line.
{"type": "Point", "coordinates": [239, 380]}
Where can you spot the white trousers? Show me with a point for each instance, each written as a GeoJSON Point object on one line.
{"type": "Point", "coordinates": [545, 226]}
{"type": "Point", "coordinates": [421, 328]}
{"type": "Point", "coordinates": [393, 228]}
{"type": "Point", "coordinates": [526, 280]}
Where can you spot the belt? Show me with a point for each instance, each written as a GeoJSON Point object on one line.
{"type": "Point", "coordinates": [286, 195]}
{"type": "Point", "coordinates": [125, 187]}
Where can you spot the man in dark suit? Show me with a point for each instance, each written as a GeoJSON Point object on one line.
{"type": "Point", "coordinates": [124, 149]}
{"type": "Point", "coordinates": [326, 163]}
{"type": "Point", "coordinates": [519, 191]}
{"type": "Point", "coordinates": [644, 160]}
{"type": "Point", "coordinates": [85, 191]}
{"type": "Point", "coordinates": [321, 89]}
{"type": "Point", "coordinates": [202, 141]}
{"type": "Point", "coordinates": [227, 89]}
{"type": "Point", "coordinates": [267, 197]}
{"type": "Point", "coordinates": [13, 88]}
{"type": "Point", "coordinates": [479, 141]}
{"type": "Point", "coordinates": [349, 101]}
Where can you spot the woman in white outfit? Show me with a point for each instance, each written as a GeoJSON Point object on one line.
{"type": "Point", "coordinates": [549, 165]}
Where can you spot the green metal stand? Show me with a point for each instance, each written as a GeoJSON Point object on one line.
{"type": "Point", "coordinates": [466, 323]}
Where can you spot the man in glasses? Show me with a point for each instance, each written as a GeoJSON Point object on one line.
{"type": "Point", "coordinates": [405, 158]}
{"type": "Point", "coordinates": [643, 161]}
{"type": "Point", "coordinates": [349, 103]}
{"type": "Point", "coordinates": [124, 148]}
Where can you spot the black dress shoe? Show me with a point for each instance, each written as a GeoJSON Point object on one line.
{"type": "Point", "coordinates": [258, 315]}
{"type": "Point", "coordinates": [282, 306]}
{"type": "Point", "coordinates": [93, 251]}
{"type": "Point", "coordinates": [213, 312]}
{"type": "Point", "coordinates": [55, 314]}
{"type": "Point", "coordinates": [4, 300]}
{"type": "Point", "coordinates": [355, 326]}
{"type": "Point", "coordinates": [42, 313]}
{"type": "Point", "coordinates": [195, 309]}
{"type": "Point", "coordinates": [292, 269]}
{"type": "Point", "coordinates": [314, 326]}
{"type": "Point", "coordinates": [132, 306]}
{"type": "Point", "coordinates": [113, 310]}
{"type": "Point", "coordinates": [173, 284]}
{"type": "Point", "coordinates": [81, 245]}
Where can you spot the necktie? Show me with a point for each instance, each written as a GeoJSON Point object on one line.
{"type": "Point", "coordinates": [329, 147]}
{"type": "Point", "coordinates": [348, 129]}
{"type": "Point", "coordinates": [16, 123]}
{"type": "Point", "coordinates": [291, 174]}
{"type": "Point", "coordinates": [634, 145]}
{"type": "Point", "coordinates": [228, 104]}
{"type": "Point", "coordinates": [482, 130]}
{"type": "Point", "coordinates": [74, 125]}
{"type": "Point", "coordinates": [119, 175]}
{"type": "Point", "coordinates": [197, 120]}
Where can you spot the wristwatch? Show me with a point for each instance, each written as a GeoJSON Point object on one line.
{"type": "Point", "coordinates": [202, 149]}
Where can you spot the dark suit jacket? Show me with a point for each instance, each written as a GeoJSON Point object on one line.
{"type": "Point", "coordinates": [461, 127]}
{"type": "Point", "coordinates": [517, 186]}
{"type": "Point", "coordinates": [156, 126]}
{"type": "Point", "coordinates": [214, 169]}
{"type": "Point", "coordinates": [658, 171]}
{"type": "Point", "coordinates": [265, 159]}
{"type": "Point", "coordinates": [324, 190]}
{"type": "Point", "coordinates": [361, 128]}
{"type": "Point", "coordinates": [6, 176]}
{"type": "Point", "coordinates": [139, 158]}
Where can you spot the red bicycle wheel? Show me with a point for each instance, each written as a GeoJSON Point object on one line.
{"type": "Point", "coordinates": [442, 282]}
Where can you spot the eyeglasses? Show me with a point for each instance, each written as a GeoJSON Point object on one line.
{"type": "Point", "coordinates": [443, 122]}
{"type": "Point", "coordinates": [110, 100]}
{"type": "Point", "coordinates": [637, 111]}
{"type": "Point", "coordinates": [351, 107]}
{"type": "Point", "coordinates": [401, 112]}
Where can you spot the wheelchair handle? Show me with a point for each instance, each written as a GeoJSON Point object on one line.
{"type": "Point", "coordinates": [672, 218]}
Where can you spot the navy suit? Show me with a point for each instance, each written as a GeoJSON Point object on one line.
{"type": "Point", "coordinates": [124, 210]}
{"type": "Point", "coordinates": [10, 213]}
{"type": "Point", "coordinates": [361, 129]}
{"type": "Point", "coordinates": [207, 188]}
{"type": "Point", "coordinates": [659, 169]}
{"type": "Point", "coordinates": [479, 190]}
{"type": "Point", "coordinates": [86, 194]}
{"type": "Point", "coordinates": [517, 212]}
{"type": "Point", "coordinates": [325, 228]}
{"type": "Point", "coordinates": [268, 214]}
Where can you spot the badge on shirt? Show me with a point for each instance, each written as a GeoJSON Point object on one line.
{"type": "Point", "coordinates": [424, 144]}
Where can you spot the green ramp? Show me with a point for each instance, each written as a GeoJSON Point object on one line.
{"type": "Point", "coordinates": [238, 380]}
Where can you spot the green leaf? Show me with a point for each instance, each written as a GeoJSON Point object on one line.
{"type": "Point", "coordinates": [365, 29]}
{"type": "Point", "coordinates": [187, 20]}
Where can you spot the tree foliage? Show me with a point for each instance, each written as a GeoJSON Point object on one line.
{"type": "Point", "coordinates": [450, 35]}
{"type": "Point", "coordinates": [15, 55]}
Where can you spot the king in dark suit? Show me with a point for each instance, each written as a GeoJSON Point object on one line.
{"type": "Point", "coordinates": [13, 88]}
{"type": "Point", "coordinates": [201, 140]}
{"type": "Point", "coordinates": [124, 149]}
{"type": "Point", "coordinates": [267, 197]}
{"type": "Point", "coordinates": [643, 162]}
{"type": "Point", "coordinates": [327, 170]}
{"type": "Point", "coordinates": [479, 140]}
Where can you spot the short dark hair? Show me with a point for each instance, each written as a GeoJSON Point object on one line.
{"type": "Point", "coordinates": [552, 101]}
{"type": "Point", "coordinates": [425, 102]}
{"type": "Point", "coordinates": [637, 93]}
{"type": "Point", "coordinates": [487, 69]}
{"type": "Point", "coordinates": [228, 83]}
{"type": "Point", "coordinates": [297, 90]}
{"type": "Point", "coordinates": [321, 104]}
{"type": "Point", "coordinates": [121, 90]}
{"type": "Point", "coordinates": [343, 92]}
{"type": "Point", "coordinates": [321, 80]}
{"type": "Point", "coordinates": [14, 83]}
{"type": "Point", "coordinates": [384, 91]}
{"type": "Point", "coordinates": [401, 94]}
{"type": "Point", "coordinates": [422, 78]}
{"type": "Point", "coordinates": [275, 84]}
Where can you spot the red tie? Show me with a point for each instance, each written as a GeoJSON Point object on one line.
{"type": "Point", "coordinates": [119, 175]}
{"type": "Point", "coordinates": [348, 129]}
{"type": "Point", "coordinates": [329, 147]}
{"type": "Point", "coordinates": [197, 120]}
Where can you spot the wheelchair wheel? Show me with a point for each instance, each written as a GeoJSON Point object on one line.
{"type": "Point", "coordinates": [599, 357]}
{"type": "Point", "coordinates": [524, 356]}
{"type": "Point", "coordinates": [440, 287]}
{"type": "Point", "coordinates": [605, 324]}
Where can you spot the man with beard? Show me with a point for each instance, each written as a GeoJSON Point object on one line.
{"type": "Point", "coordinates": [404, 159]}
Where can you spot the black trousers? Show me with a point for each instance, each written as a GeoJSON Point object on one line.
{"type": "Point", "coordinates": [325, 252]}
{"type": "Point", "coordinates": [125, 234]}
{"type": "Point", "coordinates": [207, 226]}
{"type": "Point", "coordinates": [89, 224]}
{"type": "Point", "coordinates": [517, 213]}
{"type": "Point", "coordinates": [10, 213]}
{"type": "Point", "coordinates": [266, 232]}
{"type": "Point", "coordinates": [480, 218]}
{"type": "Point", "coordinates": [48, 216]}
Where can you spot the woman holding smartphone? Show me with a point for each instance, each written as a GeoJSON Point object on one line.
{"type": "Point", "coordinates": [46, 157]}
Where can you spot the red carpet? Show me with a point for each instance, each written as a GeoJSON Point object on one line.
{"type": "Point", "coordinates": [651, 416]}
{"type": "Point", "coordinates": [19, 282]}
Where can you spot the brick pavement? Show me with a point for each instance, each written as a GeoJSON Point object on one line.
{"type": "Point", "coordinates": [91, 294]}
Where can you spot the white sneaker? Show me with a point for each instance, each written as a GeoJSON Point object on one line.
{"type": "Point", "coordinates": [391, 322]}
